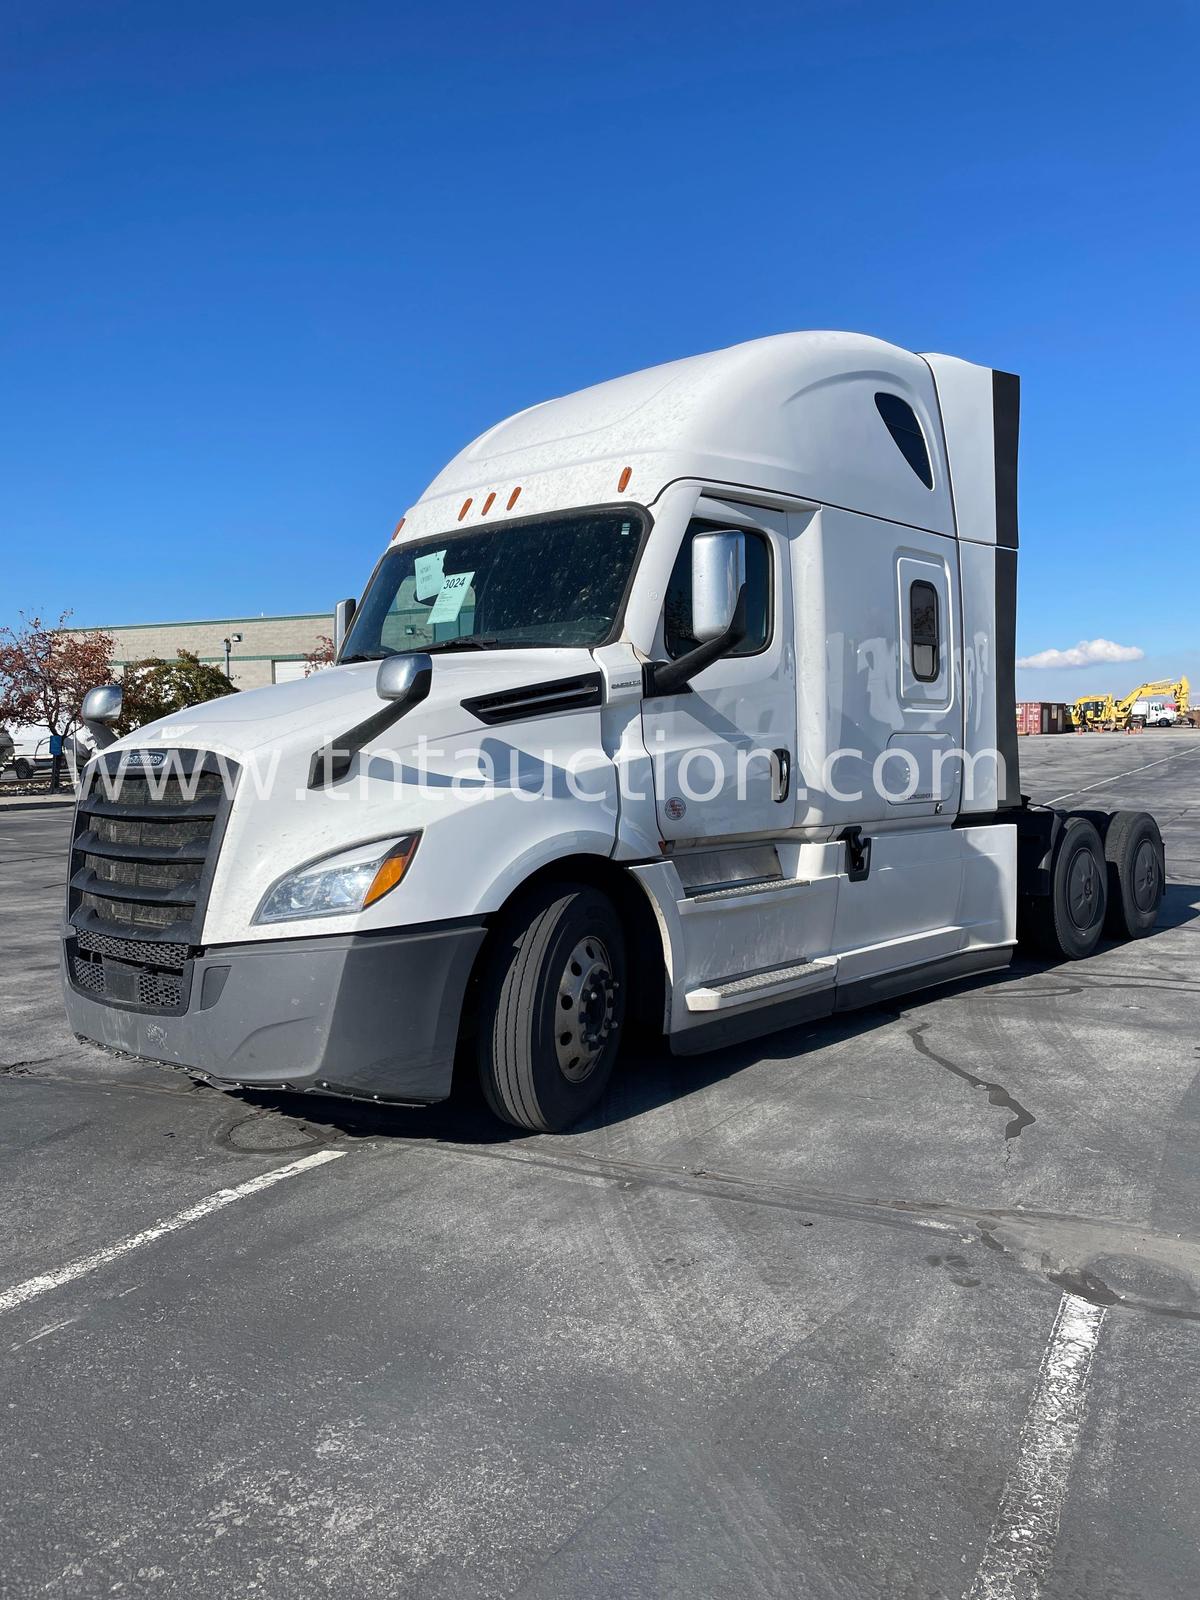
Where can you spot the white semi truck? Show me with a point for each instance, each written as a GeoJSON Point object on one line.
{"type": "Point", "coordinates": [686, 701]}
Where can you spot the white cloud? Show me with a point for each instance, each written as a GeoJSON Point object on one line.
{"type": "Point", "coordinates": [1087, 653]}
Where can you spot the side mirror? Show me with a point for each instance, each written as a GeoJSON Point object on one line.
{"type": "Point", "coordinates": [103, 705]}
{"type": "Point", "coordinates": [343, 616]}
{"type": "Point", "coordinates": [718, 611]}
{"type": "Point", "coordinates": [718, 575]}
{"type": "Point", "coordinates": [402, 682]}
{"type": "Point", "coordinates": [101, 711]}
{"type": "Point", "coordinates": [405, 680]}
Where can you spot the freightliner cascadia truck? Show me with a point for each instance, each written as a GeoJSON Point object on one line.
{"type": "Point", "coordinates": [684, 702]}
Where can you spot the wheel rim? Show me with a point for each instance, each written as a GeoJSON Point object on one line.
{"type": "Point", "coordinates": [1083, 891]}
{"type": "Point", "coordinates": [586, 1003]}
{"type": "Point", "coordinates": [1144, 878]}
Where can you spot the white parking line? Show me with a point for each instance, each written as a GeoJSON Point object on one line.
{"type": "Point", "coordinates": [21, 1293]}
{"type": "Point", "coordinates": [1106, 783]}
{"type": "Point", "coordinates": [1020, 1546]}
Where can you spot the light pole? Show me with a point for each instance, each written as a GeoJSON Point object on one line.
{"type": "Point", "coordinates": [234, 638]}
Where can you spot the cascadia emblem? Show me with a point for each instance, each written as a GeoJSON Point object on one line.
{"type": "Point", "coordinates": [145, 758]}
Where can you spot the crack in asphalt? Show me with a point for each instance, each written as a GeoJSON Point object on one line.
{"type": "Point", "coordinates": [997, 1094]}
{"type": "Point", "coordinates": [1058, 1248]}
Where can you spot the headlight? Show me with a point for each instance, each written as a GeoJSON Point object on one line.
{"type": "Point", "coordinates": [350, 881]}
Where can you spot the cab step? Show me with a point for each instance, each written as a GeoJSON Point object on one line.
{"type": "Point", "coordinates": [743, 891]}
{"type": "Point", "coordinates": [776, 983]}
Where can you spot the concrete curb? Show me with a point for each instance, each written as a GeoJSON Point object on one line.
{"type": "Point", "coordinates": [41, 803]}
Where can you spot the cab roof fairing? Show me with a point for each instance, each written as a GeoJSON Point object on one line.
{"type": "Point", "coordinates": [793, 414]}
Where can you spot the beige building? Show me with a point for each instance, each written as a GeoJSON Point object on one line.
{"type": "Point", "coordinates": [270, 649]}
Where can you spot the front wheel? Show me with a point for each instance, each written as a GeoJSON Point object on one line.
{"type": "Point", "coordinates": [552, 1007]}
{"type": "Point", "coordinates": [22, 768]}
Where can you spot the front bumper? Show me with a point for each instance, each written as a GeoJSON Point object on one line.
{"type": "Point", "coordinates": [375, 1016]}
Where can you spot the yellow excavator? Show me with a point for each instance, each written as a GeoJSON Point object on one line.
{"type": "Point", "coordinates": [1140, 706]}
{"type": "Point", "coordinates": [1101, 712]}
{"type": "Point", "coordinates": [1094, 712]}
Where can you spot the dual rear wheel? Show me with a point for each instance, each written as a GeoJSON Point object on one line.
{"type": "Point", "coordinates": [1108, 875]}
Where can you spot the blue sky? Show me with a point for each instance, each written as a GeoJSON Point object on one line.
{"type": "Point", "coordinates": [267, 266]}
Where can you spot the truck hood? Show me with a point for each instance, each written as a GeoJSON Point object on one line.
{"type": "Point", "coordinates": [320, 708]}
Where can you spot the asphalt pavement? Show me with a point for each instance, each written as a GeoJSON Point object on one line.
{"type": "Point", "coordinates": [902, 1304]}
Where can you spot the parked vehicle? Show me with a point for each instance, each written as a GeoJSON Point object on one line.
{"type": "Point", "coordinates": [13, 757]}
{"type": "Point", "coordinates": [583, 761]}
{"type": "Point", "coordinates": [1156, 705]}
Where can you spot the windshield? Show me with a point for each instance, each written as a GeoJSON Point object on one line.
{"type": "Point", "coordinates": [560, 581]}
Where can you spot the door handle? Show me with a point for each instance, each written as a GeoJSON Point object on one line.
{"type": "Point", "coordinates": [781, 773]}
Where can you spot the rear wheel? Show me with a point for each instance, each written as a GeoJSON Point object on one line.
{"type": "Point", "coordinates": [1070, 919]}
{"type": "Point", "coordinates": [553, 1005]}
{"type": "Point", "coordinates": [1136, 866]}
{"type": "Point", "coordinates": [22, 768]}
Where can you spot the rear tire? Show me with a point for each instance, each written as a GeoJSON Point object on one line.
{"type": "Point", "coordinates": [22, 769]}
{"type": "Point", "coordinates": [1137, 875]}
{"type": "Point", "coordinates": [552, 1007]}
{"type": "Point", "coordinates": [1069, 920]}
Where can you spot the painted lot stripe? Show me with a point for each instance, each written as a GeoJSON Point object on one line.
{"type": "Point", "coordinates": [1107, 783]}
{"type": "Point", "coordinates": [1020, 1546]}
{"type": "Point", "coordinates": [21, 1293]}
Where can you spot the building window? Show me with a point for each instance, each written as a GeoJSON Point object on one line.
{"type": "Point", "coordinates": [924, 631]}
{"type": "Point", "coordinates": [901, 422]}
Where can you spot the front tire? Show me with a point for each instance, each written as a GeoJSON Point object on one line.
{"type": "Point", "coordinates": [23, 769]}
{"type": "Point", "coordinates": [552, 1004]}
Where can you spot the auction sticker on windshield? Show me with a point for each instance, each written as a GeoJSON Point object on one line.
{"type": "Point", "coordinates": [428, 573]}
{"type": "Point", "coordinates": [450, 597]}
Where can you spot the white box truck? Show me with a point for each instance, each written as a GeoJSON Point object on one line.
{"type": "Point", "coordinates": [686, 700]}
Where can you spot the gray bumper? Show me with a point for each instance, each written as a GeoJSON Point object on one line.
{"type": "Point", "coordinates": [370, 1015]}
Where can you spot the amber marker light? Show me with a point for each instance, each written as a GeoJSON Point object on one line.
{"type": "Point", "coordinates": [488, 504]}
{"type": "Point", "coordinates": [623, 480]}
{"type": "Point", "coordinates": [466, 506]}
{"type": "Point", "coordinates": [512, 499]}
{"type": "Point", "coordinates": [396, 529]}
{"type": "Point", "coordinates": [391, 869]}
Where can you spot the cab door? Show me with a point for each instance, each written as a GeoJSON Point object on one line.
{"type": "Point", "coordinates": [722, 749]}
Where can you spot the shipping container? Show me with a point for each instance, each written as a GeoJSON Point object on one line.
{"type": "Point", "coordinates": [1042, 716]}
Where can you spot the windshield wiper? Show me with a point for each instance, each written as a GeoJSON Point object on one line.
{"type": "Point", "coordinates": [368, 655]}
{"type": "Point", "coordinates": [468, 641]}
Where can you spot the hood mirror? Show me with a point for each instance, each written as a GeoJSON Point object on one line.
{"type": "Point", "coordinates": [101, 711]}
{"type": "Point", "coordinates": [404, 679]}
{"type": "Point", "coordinates": [402, 682]}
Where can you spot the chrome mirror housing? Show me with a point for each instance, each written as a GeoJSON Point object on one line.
{"type": "Point", "coordinates": [101, 711]}
{"type": "Point", "coordinates": [718, 575]}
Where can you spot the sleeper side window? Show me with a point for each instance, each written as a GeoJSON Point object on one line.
{"type": "Point", "coordinates": [677, 609]}
{"type": "Point", "coordinates": [901, 422]}
{"type": "Point", "coordinates": [924, 630]}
